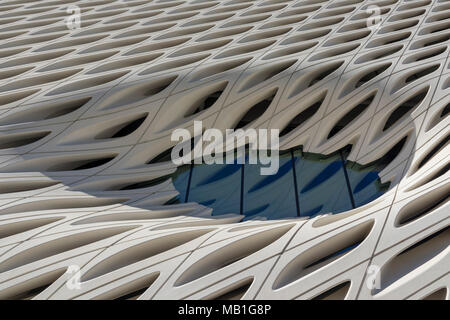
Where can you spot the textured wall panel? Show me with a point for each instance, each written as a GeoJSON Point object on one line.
{"type": "Point", "coordinates": [66, 95]}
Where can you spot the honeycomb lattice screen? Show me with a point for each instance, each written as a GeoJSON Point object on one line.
{"type": "Point", "coordinates": [90, 92]}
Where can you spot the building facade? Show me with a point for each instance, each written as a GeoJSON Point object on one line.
{"type": "Point", "coordinates": [92, 207]}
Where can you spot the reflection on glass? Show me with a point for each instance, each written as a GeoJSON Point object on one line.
{"type": "Point", "coordinates": [365, 183]}
{"type": "Point", "coordinates": [306, 184]}
{"type": "Point", "coordinates": [270, 196]}
{"type": "Point", "coordinates": [180, 181]}
{"type": "Point", "coordinates": [217, 186]}
{"type": "Point", "coordinates": [321, 184]}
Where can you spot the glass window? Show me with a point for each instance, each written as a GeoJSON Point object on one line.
{"type": "Point", "coordinates": [270, 196]}
{"type": "Point", "coordinates": [217, 186]}
{"type": "Point", "coordinates": [365, 183]}
{"type": "Point", "coordinates": [180, 181]}
{"type": "Point", "coordinates": [321, 183]}
{"type": "Point", "coordinates": [306, 184]}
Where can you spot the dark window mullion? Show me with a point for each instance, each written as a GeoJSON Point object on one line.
{"type": "Point", "coordinates": [189, 182]}
{"type": "Point", "coordinates": [297, 201]}
{"type": "Point", "coordinates": [241, 207]}
{"type": "Point", "coordinates": [347, 180]}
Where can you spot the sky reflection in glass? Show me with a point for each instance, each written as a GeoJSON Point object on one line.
{"type": "Point", "coordinates": [305, 185]}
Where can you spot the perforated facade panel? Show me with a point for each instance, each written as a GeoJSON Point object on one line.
{"type": "Point", "coordinates": [90, 92]}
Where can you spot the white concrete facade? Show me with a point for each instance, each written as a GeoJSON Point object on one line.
{"type": "Point", "coordinates": [65, 89]}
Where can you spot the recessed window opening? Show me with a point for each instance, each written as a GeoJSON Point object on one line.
{"type": "Point", "coordinates": [305, 185]}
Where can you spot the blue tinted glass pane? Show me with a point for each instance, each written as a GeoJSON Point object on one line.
{"type": "Point", "coordinates": [321, 184]}
{"type": "Point", "coordinates": [365, 184]}
{"type": "Point", "coordinates": [217, 186]}
{"type": "Point", "coordinates": [180, 181]}
{"type": "Point", "coordinates": [270, 196]}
